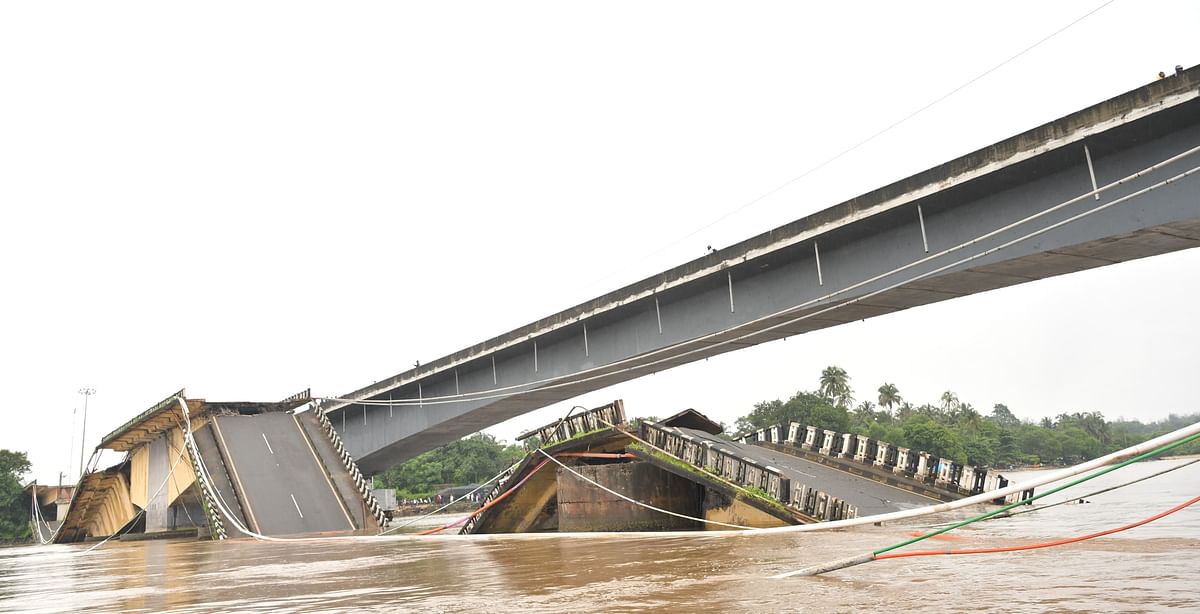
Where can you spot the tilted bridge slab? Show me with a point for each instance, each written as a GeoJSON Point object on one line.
{"type": "Point", "coordinates": [783, 282]}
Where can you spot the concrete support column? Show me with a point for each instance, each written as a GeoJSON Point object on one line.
{"type": "Point", "coordinates": [156, 504]}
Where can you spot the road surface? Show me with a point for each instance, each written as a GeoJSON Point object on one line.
{"type": "Point", "coordinates": [285, 490]}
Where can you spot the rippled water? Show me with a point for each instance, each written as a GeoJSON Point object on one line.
{"type": "Point", "coordinates": [1148, 569]}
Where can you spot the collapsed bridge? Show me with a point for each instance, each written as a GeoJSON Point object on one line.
{"type": "Point", "coordinates": [254, 466]}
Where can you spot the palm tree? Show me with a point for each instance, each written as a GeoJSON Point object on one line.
{"type": "Point", "coordinates": [889, 395]}
{"type": "Point", "coordinates": [865, 413]}
{"type": "Point", "coordinates": [967, 417]}
{"type": "Point", "coordinates": [835, 385]}
{"type": "Point", "coordinates": [1094, 424]}
{"type": "Point", "coordinates": [949, 402]}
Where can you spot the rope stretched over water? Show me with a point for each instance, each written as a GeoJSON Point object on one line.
{"type": "Point", "coordinates": [580, 476]}
{"type": "Point", "coordinates": [423, 516]}
{"type": "Point", "coordinates": [634, 363]}
{"type": "Point", "coordinates": [871, 556]}
{"type": "Point", "coordinates": [720, 479]}
{"type": "Point", "coordinates": [635, 502]}
{"type": "Point", "coordinates": [1086, 496]}
{"type": "Point", "coordinates": [1049, 544]}
{"type": "Point", "coordinates": [478, 488]}
{"type": "Point", "coordinates": [489, 504]}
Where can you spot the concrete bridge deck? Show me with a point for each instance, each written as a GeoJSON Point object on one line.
{"type": "Point", "coordinates": [784, 281]}
{"type": "Point", "coordinates": [868, 496]}
{"type": "Point", "coordinates": [256, 465]}
{"type": "Point", "coordinates": [282, 484]}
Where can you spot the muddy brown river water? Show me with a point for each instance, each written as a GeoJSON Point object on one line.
{"type": "Point", "coordinates": [1154, 568]}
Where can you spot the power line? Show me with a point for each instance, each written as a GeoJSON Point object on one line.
{"type": "Point", "coordinates": [634, 363]}
{"type": "Point", "coordinates": [857, 145]}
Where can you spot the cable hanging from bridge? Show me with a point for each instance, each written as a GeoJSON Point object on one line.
{"type": "Point", "coordinates": [1084, 496]}
{"type": "Point", "coordinates": [1049, 544]}
{"type": "Point", "coordinates": [1125, 456]}
{"type": "Point", "coordinates": [607, 370]}
{"type": "Point", "coordinates": [434, 512]}
{"type": "Point", "coordinates": [38, 520]}
{"type": "Point", "coordinates": [1143, 450]}
{"type": "Point", "coordinates": [874, 555]}
{"type": "Point", "coordinates": [479, 487]}
{"type": "Point", "coordinates": [203, 474]}
{"type": "Point", "coordinates": [129, 525]}
{"type": "Point", "coordinates": [867, 140]}
{"type": "Point", "coordinates": [639, 503]}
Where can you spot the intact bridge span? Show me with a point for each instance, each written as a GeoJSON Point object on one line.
{"type": "Point", "coordinates": [1114, 182]}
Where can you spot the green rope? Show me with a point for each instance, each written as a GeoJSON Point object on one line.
{"type": "Point", "coordinates": [1072, 499]}
{"type": "Point", "coordinates": [1010, 506]}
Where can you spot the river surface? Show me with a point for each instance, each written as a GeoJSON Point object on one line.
{"type": "Point", "coordinates": [1152, 568]}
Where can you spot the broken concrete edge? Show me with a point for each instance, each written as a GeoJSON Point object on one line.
{"type": "Point", "coordinates": [758, 500]}
{"type": "Point", "coordinates": [577, 424]}
{"type": "Point", "coordinates": [200, 407]}
{"type": "Point", "coordinates": [523, 467]}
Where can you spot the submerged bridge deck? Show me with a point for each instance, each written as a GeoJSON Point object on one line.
{"type": "Point", "coordinates": [282, 479]}
{"type": "Point", "coordinates": [1016, 211]}
{"type": "Point", "coordinates": [254, 465]}
{"type": "Point", "coordinates": [869, 496]}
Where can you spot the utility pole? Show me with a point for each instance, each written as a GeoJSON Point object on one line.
{"type": "Point", "coordinates": [86, 392]}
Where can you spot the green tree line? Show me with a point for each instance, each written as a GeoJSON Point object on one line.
{"type": "Point", "coordinates": [470, 460]}
{"type": "Point", "coordinates": [14, 508]}
{"type": "Point", "coordinates": [954, 429]}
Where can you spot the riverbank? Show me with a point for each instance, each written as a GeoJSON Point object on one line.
{"type": "Point", "coordinates": [420, 509]}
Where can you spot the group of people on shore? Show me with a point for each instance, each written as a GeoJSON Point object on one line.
{"type": "Point", "coordinates": [476, 497]}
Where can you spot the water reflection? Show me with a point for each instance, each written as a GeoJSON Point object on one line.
{"type": "Point", "coordinates": [1142, 570]}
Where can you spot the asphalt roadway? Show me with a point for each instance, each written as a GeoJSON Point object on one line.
{"type": "Point", "coordinates": [869, 496]}
{"type": "Point", "coordinates": [285, 490]}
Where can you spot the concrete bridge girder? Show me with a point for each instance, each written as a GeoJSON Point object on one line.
{"type": "Point", "coordinates": [705, 307]}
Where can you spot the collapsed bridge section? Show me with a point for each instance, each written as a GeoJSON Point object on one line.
{"type": "Point", "coordinates": [247, 469]}
{"type": "Point", "coordinates": [594, 472]}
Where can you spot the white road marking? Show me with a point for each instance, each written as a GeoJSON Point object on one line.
{"type": "Point", "coordinates": [297, 506]}
{"type": "Point", "coordinates": [268, 443]}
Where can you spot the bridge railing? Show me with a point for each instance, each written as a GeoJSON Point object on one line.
{"type": "Point", "coordinates": [577, 424]}
{"type": "Point", "coordinates": [747, 473]}
{"type": "Point", "coordinates": [469, 526]}
{"type": "Point", "coordinates": [941, 473]}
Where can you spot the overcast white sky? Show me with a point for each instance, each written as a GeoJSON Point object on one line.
{"type": "Point", "coordinates": [248, 199]}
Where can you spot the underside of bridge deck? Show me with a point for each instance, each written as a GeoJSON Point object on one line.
{"type": "Point", "coordinates": [1016, 211]}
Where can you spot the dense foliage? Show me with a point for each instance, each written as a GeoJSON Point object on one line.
{"type": "Point", "coordinates": [954, 429]}
{"type": "Point", "coordinates": [14, 509]}
{"type": "Point", "coordinates": [470, 460]}
{"type": "Point", "coordinates": [950, 428]}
